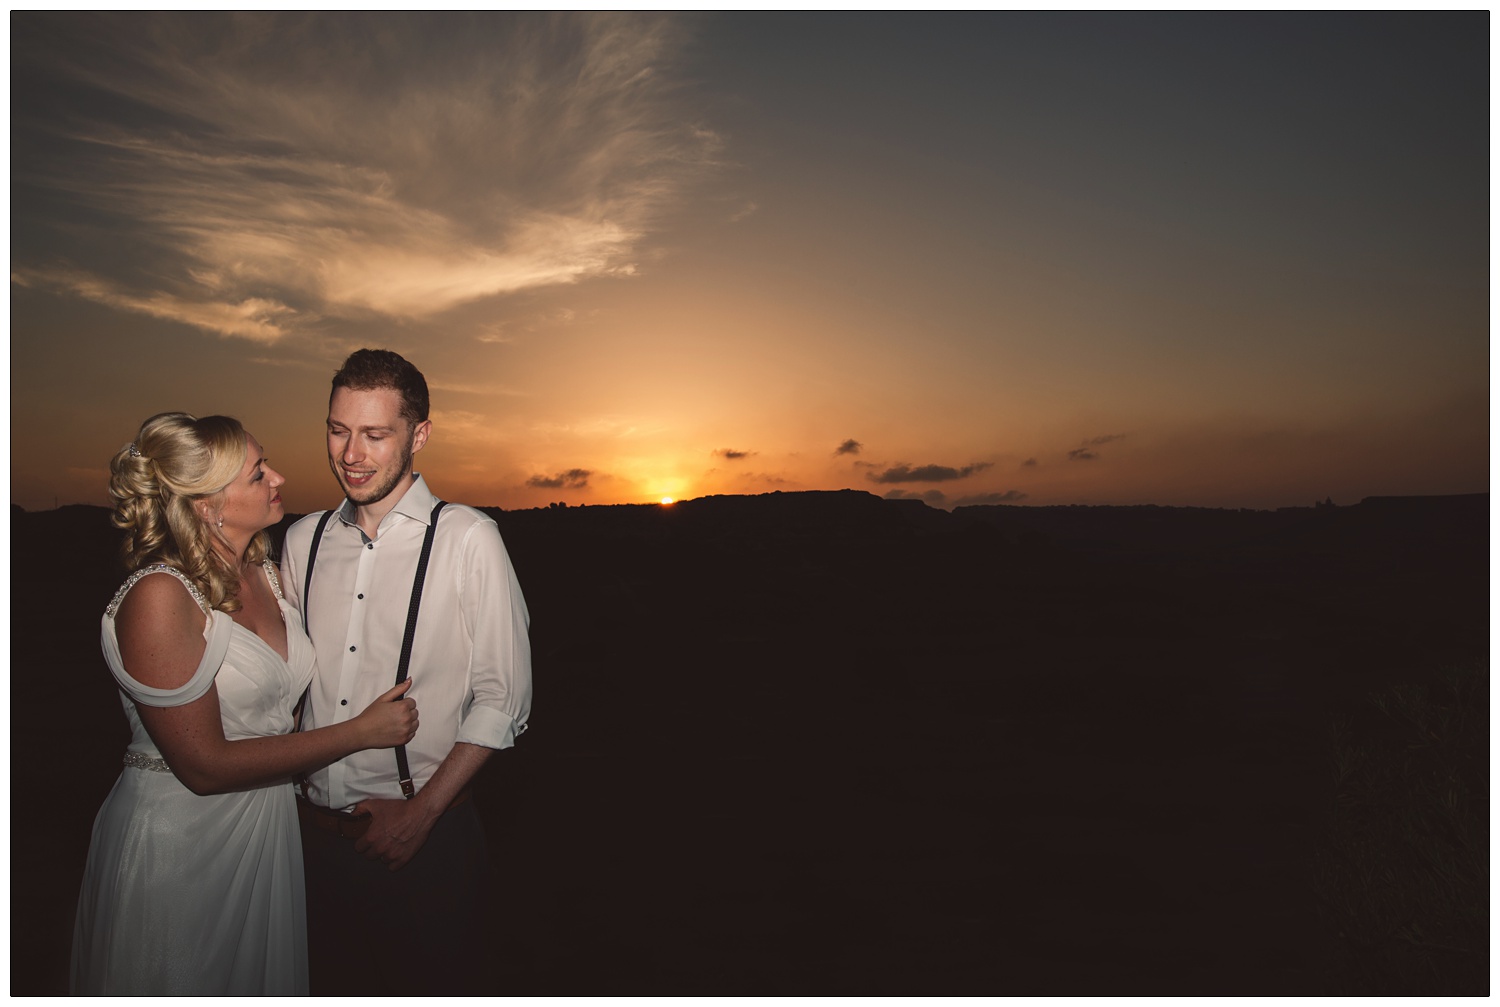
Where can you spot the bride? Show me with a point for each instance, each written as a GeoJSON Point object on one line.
{"type": "Point", "coordinates": [194, 877]}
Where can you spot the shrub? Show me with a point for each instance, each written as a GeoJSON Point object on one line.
{"type": "Point", "coordinates": [1401, 868]}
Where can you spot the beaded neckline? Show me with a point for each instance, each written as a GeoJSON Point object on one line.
{"type": "Point", "coordinates": [135, 578]}
{"type": "Point", "coordinates": [274, 578]}
{"type": "Point", "coordinates": [145, 571]}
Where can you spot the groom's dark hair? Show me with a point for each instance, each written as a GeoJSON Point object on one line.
{"type": "Point", "coordinates": [369, 369]}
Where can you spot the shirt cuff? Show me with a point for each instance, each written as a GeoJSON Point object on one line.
{"type": "Point", "coordinates": [489, 728]}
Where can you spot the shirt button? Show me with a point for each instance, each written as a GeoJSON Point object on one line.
{"type": "Point", "coordinates": [360, 597]}
{"type": "Point", "coordinates": [351, 650]}
{"type": "Point", "coordinates": [343, 702]}
{"type": "Point", "coordinates": [369, 545]}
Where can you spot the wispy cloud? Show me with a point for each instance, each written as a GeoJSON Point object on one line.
{"type": "Point", "coordinates": [849, 447]}
{"type": "Point", "coordinates": [926, 473]}
{"type": "Point", "coordinates": [731, 455]}
{"type": "Point", "coordinates": [573, 479]}
{"type": "Point", "coordinates": [1086, 452]}
{"type": "Point", "coordinates": [251, 318]}
{"type": "Point", "coordinates": [274, 170]}
{"type": "Point", "coordinates": [617, 427]}
{"type": "Point", "coordinates": [508, 332]}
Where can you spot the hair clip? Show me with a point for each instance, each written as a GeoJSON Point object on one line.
{"type": "Point", "coordinates": [135, 452]}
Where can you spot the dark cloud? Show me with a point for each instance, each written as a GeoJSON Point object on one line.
{"type": "Point", "coordinates": [1029, 463]}
{"type": "Point", "coordinates": [926, 473]}
{"type": "Point", "coordinates": [573, 479]}
{"type": "Point", "coordinates": [1083, 454]}
{"type": "Point", "coordinates": [731, 455]}
{"type": "Point", "coordinates": [849, 447]}
{"type": "Point", "coordinates": [934, 497]}
{"type": "Point", "coordinates": [985, 499]}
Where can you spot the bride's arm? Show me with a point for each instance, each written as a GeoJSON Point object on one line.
{"type": "Point", "coordinates": [159, 628]}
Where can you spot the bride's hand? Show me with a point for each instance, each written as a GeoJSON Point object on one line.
{"type": "Point", "coordinates": [390, 720]}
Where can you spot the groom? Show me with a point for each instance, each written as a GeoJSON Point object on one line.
{"type": "Point", "coordinates": [397, 868]}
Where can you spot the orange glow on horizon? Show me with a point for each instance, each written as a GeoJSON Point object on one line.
{"type": "Point", "coordinates": [700, 326]}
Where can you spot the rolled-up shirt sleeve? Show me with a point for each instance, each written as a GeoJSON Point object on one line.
{"type": "Point", "coordinates": [495, 616]}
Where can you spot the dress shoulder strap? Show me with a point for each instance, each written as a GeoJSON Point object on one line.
{"type": "Point", "coordinates": [145, 571]}
{"type": "Point", "coordinates": [274, 578]}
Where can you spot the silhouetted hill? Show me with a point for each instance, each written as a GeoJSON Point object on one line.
{"type": "Point", "coordinates": [835, 515]}
{"type": "Point", "coordinates": [825, 742]}
{"type": "Point", "coordinates": [1434, 520]}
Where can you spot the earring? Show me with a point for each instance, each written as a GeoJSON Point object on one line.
{"type": "Point", "coordinates": [221, 522]}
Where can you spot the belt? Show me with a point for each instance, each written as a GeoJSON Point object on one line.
{"type": "Point", "coordinates": [341, 823]}
{"type": "Point", "coordinates": [347, 824]}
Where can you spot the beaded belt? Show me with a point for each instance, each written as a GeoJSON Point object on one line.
{"type": "Point", "coordinates": [140, 760]}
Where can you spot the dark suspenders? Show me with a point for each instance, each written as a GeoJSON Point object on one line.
{"type": "Point", "coordinates": [312, 556]}
{"type": "Point", "coordinates": [407, 787]}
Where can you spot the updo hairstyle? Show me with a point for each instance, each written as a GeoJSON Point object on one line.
{"type": "Point", "coordinates": [176, 461]}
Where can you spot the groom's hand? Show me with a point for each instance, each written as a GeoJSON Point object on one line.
{"type": "Point", "coordinates": [398, 829]}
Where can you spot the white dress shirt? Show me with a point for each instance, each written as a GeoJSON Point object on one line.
{"type": "Point", "coordinates": [471, 659]}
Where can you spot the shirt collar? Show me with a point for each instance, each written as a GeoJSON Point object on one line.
{"type": "Point", "coordinates": [416, 503]}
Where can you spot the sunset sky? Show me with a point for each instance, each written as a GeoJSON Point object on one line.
{"type": "Point", "coordinates": [1219, 260]}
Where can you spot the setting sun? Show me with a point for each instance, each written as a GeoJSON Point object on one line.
{"type": "Point", "coordinates": [648, 328]}
{"type": "Point", "coordinates": [666, 500]}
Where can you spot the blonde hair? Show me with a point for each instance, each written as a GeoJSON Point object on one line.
{"type": "Point", "coordinates": [176, 461]}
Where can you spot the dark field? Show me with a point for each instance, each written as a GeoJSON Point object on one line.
{"type": "Point", "coordinates": [825, 743]}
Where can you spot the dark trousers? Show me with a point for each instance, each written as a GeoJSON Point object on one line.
{"type": "Point", "coordinates": [419, 930]}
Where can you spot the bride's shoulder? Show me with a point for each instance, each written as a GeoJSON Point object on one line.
{"type": "Point", "coordinates": [142, 588]}
{"type": "Point", "coordinates": [160, 624]}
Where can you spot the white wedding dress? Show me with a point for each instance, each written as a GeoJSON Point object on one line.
{"type": "Point", "coordinates": [198, 895]}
